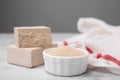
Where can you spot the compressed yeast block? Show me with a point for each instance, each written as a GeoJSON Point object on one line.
{"type": "Point", "coordinates": [27, 57]}
{"type": "Point", "coordinates": [36, 36]}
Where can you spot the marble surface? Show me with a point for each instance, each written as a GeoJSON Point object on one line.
{"type": "Point", "coordinates": [13, 72]}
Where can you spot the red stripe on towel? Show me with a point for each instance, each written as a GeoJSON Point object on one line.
{"type": "Point", "coordinates": [65, 43]}
{"type": "Point", "coordinates": [99, 55]}
{"type": "Point", "coordinates": [89, 50]}
{"type": "Point", "coordinates": [111, 58]}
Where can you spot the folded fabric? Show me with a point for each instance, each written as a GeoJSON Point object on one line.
{"type": "Point", "coordinates": [101, 40]}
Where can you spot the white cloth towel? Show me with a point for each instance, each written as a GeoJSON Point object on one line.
{"type": "Point", "coordinates": [101, 40]}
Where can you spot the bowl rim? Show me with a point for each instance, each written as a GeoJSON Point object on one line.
{"type": "Point", "coordinates": [63, 57]}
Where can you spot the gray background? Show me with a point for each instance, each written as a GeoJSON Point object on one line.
{"type": "Point", "coordinates": [60, 15]}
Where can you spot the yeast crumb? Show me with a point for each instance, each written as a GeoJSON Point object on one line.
{"type": "Point", "coordinates": [65, 51]}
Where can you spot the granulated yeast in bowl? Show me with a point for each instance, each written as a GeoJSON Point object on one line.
{"type": "Point", "coordinates": [65, 51]}
{"type": "Point", "coordinates": [65, 60]}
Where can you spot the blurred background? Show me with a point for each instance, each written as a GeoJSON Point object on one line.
{"type": "Point", "coordinates": [60, 15]}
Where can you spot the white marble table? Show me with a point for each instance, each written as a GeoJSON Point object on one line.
{"type": "Point", "coordinates": [13, 72]}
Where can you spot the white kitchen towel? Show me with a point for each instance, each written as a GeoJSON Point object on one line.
{"type": "Point", "coordinates": [102, 42]}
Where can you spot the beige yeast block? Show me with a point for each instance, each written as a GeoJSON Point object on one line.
{"type": "Point", "coordinates": [36, 36]}
{"type": "Point", "coordinates": [27, 57]}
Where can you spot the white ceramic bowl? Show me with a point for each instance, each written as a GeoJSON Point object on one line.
{"type": "Point", "coordinates": [65, 66]}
